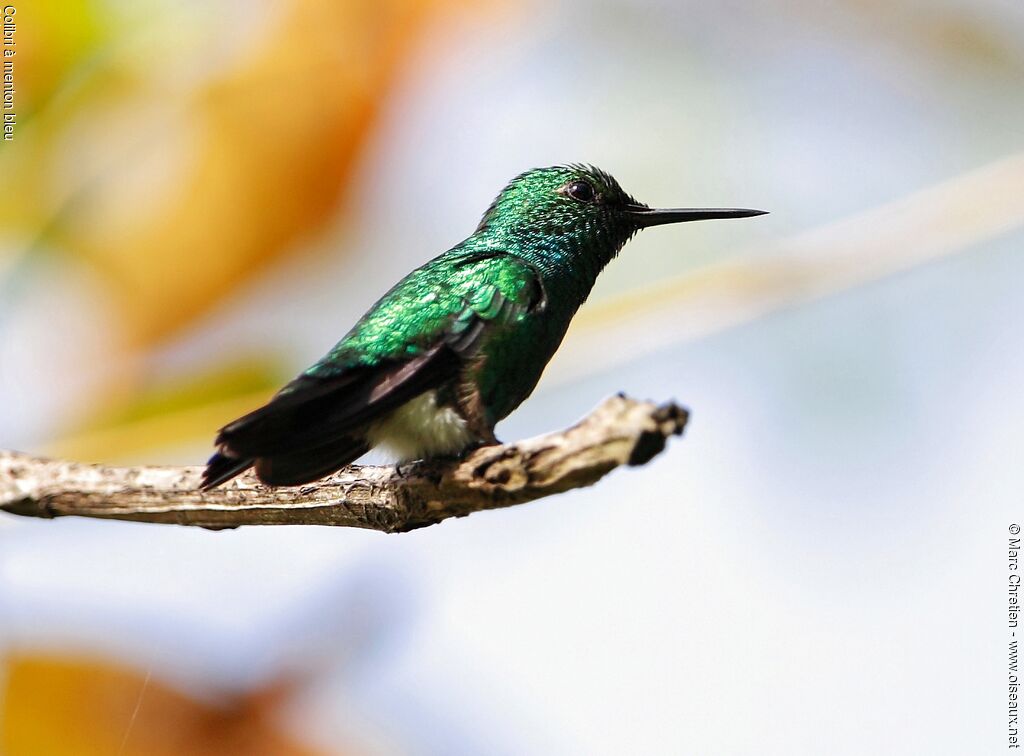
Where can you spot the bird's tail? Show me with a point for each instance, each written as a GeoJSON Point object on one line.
{"type": "Point", "coordinates": [317, 425]}
{"type": "Point", "coordinates": [221, 468]}
{"type": "Point", "coordinates": [286, 469]}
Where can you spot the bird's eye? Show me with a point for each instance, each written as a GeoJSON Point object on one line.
{"type": "Point", "coordinates": [581, 191]}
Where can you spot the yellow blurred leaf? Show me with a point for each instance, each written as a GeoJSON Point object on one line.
{"type": "Point", "coordinates": [154, 417]}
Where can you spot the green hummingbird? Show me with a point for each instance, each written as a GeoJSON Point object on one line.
{"type": "Point", "coordinates": [458, 343]}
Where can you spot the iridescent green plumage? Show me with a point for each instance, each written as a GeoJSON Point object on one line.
{"type": "Point", "coordinates": [458, 343]}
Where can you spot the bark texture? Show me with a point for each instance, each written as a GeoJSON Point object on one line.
{"type": "Point", "coordinates": [620, 431]}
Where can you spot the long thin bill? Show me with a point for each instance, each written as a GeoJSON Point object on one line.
{"type": "Point", "coordinates": [647, 216]}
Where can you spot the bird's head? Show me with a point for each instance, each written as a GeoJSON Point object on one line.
{"type": "Point", "coordinates": [580, 207]}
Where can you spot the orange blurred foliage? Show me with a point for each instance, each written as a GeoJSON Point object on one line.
{"type": "Point", "coordinates": [70, 707]}
{"type": "Point", "coordinates": [272, 143]}
{"type": "Point", "coordinates": [176, 168]}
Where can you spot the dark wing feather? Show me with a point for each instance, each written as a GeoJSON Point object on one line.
{"type": "Point", "coordinates": [313, 411]}
{"type": "Point", "coordinates": [312, 427]}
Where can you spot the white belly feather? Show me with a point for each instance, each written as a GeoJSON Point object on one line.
{"type": "Point", "coordinates": [419, 429]}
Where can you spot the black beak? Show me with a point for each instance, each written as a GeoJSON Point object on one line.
{"type": "Point", "coordinates": [647, 216]}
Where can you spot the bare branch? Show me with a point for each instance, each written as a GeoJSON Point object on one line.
{"type": "Point", "coordinates": [621, 431]}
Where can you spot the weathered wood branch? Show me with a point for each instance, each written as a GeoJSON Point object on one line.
{"type": "Point", "coordinates": [620, 431]}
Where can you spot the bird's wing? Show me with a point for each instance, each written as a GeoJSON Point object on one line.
{"type": "Point", "coordinates": [414, 339]}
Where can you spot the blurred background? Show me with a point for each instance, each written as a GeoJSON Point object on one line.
{"type": "Point", "coordinates": [201, 198]}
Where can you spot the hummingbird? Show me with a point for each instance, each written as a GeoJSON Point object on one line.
{"type": "Point", "coordinates": [458, 343]}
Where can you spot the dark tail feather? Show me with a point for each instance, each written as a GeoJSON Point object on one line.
{"type": "Point", "coordinates": [309, 464]}
{"type": "Point", "coordinates": [221, 468]}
